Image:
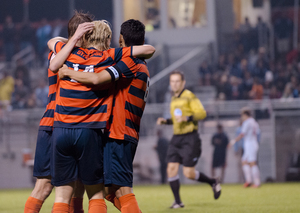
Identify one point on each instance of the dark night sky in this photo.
(53, 9)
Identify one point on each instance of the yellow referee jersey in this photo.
(186, 104)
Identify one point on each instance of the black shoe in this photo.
(176, 205)
(216, 187)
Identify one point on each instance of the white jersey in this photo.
(250, 130)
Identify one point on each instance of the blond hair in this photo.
(99, 37)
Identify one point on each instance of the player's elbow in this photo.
(202, 115)
(151, 49)
(150, 52)
(96, 80)
(53, 68)
(51, 44)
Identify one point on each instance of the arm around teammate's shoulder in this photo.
(143, 51)
(100, 78)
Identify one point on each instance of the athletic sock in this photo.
(113, 199)
(76, 205)
(203, 178)
(255, 175)
(33, 205)
(129, 204)
(60, 208)
(97, 206)
(175, 186)
(247, 173)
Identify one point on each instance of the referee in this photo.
(185, 145)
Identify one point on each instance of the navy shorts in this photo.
(77, 155)
(41, 166)
(185, 149)
(118, 158)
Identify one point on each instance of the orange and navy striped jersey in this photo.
(86, 106)
(130, 98)
(47, 120)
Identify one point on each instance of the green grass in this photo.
(197, 199)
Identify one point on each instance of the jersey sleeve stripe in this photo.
(142, 76)
(137, 60)
(133, 109)
(136, 92)
(77, 94)
(125, 69)
(64, 110)
(61, 46)
(118, 54)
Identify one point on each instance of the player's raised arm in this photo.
(62, 55)
(143, 51)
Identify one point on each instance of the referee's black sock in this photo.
(175, 185)
(203, 178)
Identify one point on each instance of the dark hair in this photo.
(78, 18)
(177, 72)
(219, 126)
(133, 32)
(246, 111)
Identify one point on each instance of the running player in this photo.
(97, 113)
(41, 171)
(185, 146)
(129, 102)
(250, 132)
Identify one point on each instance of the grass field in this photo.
(279, 198)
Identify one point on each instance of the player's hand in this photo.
(82, 29)
(63, 71)
(181, 118)
(161, 121)
(231, 143)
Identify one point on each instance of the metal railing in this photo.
(27, 55)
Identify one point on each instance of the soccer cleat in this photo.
(247, 185)
(176, 205)
(216, 187)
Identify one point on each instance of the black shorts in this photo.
(118, 158)
(77, 154)
(185, 149)
(41, 166)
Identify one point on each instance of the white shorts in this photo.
(250, 152)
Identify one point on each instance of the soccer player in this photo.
(220, 142)
(99, 117)
(130, 98)
(185, 146)
(250, 132)
(41, 171)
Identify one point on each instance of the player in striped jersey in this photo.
(41, 171)
(129, 102)
(80, 61)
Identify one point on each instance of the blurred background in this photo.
(234, 53)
